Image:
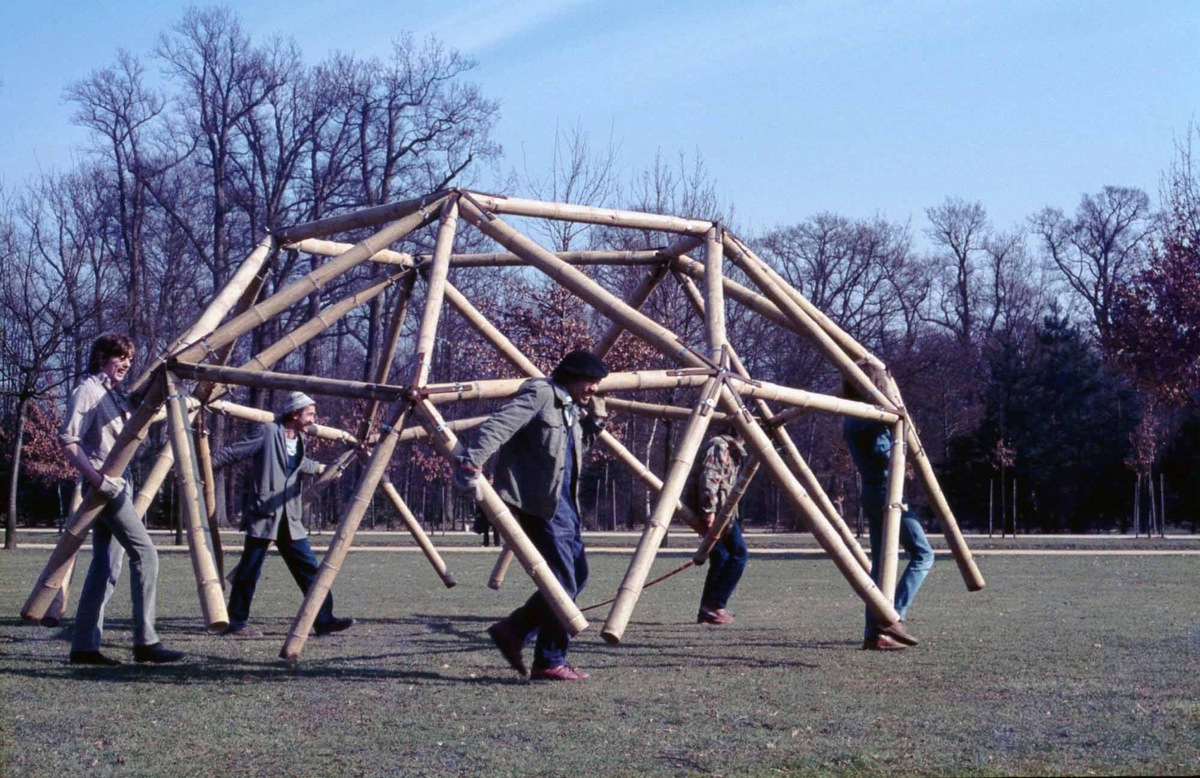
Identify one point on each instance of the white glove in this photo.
(464, 477)
(112, 487)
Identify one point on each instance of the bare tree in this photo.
(1099, 249)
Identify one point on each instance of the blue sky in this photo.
(860, 108)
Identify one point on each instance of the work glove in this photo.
(464, 476)
(112, 487)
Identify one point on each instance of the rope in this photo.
(661, 578)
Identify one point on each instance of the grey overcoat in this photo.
(268, 492)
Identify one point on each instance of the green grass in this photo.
(1063, 665)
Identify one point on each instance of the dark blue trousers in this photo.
(301, 563)
(560, 541)
(726, 562)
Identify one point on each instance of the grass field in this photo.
(1063, 665)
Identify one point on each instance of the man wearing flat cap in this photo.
(272, 510)
(539, 439)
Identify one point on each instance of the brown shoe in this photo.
(718, 617)
(882, 642)
(245, 632)
(900, 633)
(510, 646)
(559, 673)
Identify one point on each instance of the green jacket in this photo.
(529, 437)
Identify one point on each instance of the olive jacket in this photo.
(529, 437)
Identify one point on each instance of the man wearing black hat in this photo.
(540, 437)
(272, 511)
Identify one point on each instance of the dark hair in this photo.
(107, 346)
(580, 363)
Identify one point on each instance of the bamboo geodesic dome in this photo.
(402, 403)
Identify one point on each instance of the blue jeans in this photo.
(301, 563)
(560, 542)
(726, 562)
(118, 521)
(920, 558)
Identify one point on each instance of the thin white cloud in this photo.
(474, 27)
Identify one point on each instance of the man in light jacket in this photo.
(540, 437)
(272, 510)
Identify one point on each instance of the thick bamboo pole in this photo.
(660, 519)
(490, 332)
(418, 534)
(759, 444)
(889, 562)
(58, 608)
(204, 461)
(497, 259)
(501, 517)
(587, 215)
(642, 380)
(714, 297)
(765, 390)
(954, 539)
(496, 579)
(575, 281)
(290, 381)
(246, 413)
(784, 442)
(654, 410)
(339, 546)
(388, 355)
(435, 293)
(422, 207)
(775, 288)
(221, 304)
(208, 583)
(126, 445)
(154, 480)
(637, 299)
(297, 291)
(333, 471)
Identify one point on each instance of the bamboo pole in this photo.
(51, 578)
(656, 528)
(490, 332)
(572, 279)
(366, 217)
(204, 460)
(654, 410)
(765, 390)
(642, 380)
(954, 539)
(784, 441)
(435, 293)
(634, 258)
(775, 288)
(58, 608)
(637, 299)
(714, 297)
(208, 583)
(501, 517)
(759, 444)
(496, 579)
(587, 215)
(339, 545)
(889, 564)
(295, 292)
(388, 355)
(333, 471)
(154, 480)
(221, 304)
(247, 413)
(418, 534)
(289, 381)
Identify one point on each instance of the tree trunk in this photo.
(10, 520)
